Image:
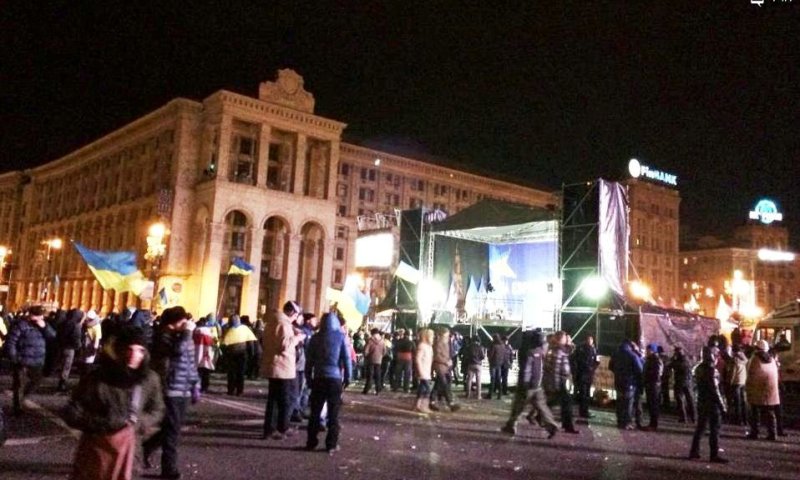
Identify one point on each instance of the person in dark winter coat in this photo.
(529, 389)
(113, 406)
(682, 383)
(173, 360)
(403, 362)
(585, 363)
(328, 371)
(710, 405)
(653, 372)
(373, 358)
(26, 347)
(69, 338)
(627, 368)
(472, 358)
(497, 357)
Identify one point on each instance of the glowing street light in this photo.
(640, 290)
(594, 287)
(51, 244)
(156, 251)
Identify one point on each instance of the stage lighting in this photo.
(640, 290)
(594, 287)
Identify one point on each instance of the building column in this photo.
(326, 272)
(264, 134)
(292, 267)
(224, 147)
(209, 284)
(300, 165)
(333, 174)
(249, 303)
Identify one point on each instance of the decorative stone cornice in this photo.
(287, 91)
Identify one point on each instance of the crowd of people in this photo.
(138, 373)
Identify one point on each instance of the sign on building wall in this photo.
(637, 170)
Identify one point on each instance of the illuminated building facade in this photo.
(654, 228)
(755, 269)
(262, 178)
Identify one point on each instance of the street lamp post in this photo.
(4, 252)
(51, 244)
(156, 250)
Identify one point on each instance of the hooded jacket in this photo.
(173, 360)
(442, 362)
(328, 353)
(762, 380)
(373, 352)
(627, 367)
(70, 334)
(737, 375)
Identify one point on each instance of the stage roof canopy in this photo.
(495, 221)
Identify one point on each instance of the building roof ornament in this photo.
(287, 91)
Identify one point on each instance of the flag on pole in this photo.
(162, 296)
(113, 270)
(346, 305)
(240, 267)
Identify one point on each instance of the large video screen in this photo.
(524, 279)
(375, 250)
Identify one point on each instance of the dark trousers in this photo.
(402, 375)
(654, 400)
(205, 378)
(496, 384)
(665, 392)
(279, 398)
(738, 412)
(254, 365)
(711, 415)
(564, 400)
(684, 402)
(67, 358)
(583, 392)
(168, 437)
(538, 401)
(237, 364)
(765, 415)
(30, 376)
(387, 370)
(325, 390)
(441, 388)
(624, 406)
(504, 378)
(423, 389)
(373, 376)
(637, 406)
(297, 394)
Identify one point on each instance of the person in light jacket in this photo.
(762, 391)
(279, 366)
(423, 363)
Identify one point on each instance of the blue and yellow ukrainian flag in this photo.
(114, 270)
(240, 267)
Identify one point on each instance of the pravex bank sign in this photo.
(637, 169)
(766, 212)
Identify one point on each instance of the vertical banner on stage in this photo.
(613, 235)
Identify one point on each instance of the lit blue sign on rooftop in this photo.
(766, 212)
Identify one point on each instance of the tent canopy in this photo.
(495, 221)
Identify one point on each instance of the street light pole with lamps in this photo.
(156, 251)
(51, 244)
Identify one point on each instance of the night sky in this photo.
(558, 92)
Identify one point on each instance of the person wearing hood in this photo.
(710, 405)
(529, 389)
(373, 358)
(737, 377)
(278, 364)
(235, 343)
(762, 391)
(328, 371)
(68, 337)
(112, 406)
(442, 364)
(627, 369)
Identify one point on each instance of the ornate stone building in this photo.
(262, 178)
(654, 227)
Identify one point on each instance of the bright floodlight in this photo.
(594, 287)
(55, 243)
(640, 290)
(157, 230)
